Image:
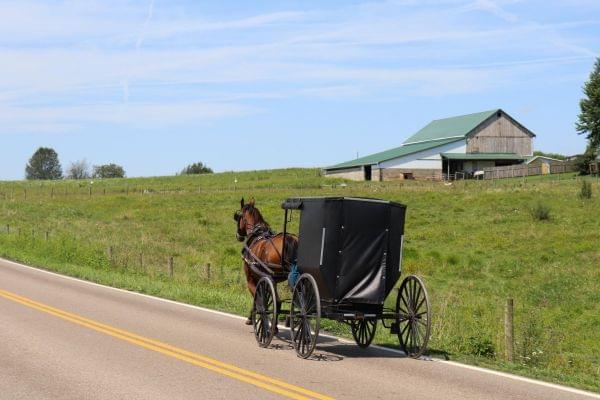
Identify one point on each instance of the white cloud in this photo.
(50, 119)
(65, 63)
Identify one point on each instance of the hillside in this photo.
(475, 243)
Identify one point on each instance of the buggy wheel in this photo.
(305, 315)
(264, 312)
(413, 316)
(363, 331)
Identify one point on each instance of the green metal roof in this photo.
(453, 127)
(482, 156)
(393, 153)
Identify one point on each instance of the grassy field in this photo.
(475, 243)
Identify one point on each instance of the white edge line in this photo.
(208, 310)
(342, 340)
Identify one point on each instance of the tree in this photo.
(196, 168)
(108, 171)
(589, 118)
(43, 164)
(78, 170)
(582, 162)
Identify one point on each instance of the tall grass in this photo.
(473, 242)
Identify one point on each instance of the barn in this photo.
(444, 147)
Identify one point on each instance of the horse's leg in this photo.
(251, 283)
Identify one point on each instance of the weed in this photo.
(540, 212)
(586, 189)
(481, 347)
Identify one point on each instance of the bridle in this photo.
(251, 230)
(240, 216)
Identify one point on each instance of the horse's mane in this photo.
(256, 215)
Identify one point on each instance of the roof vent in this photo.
(498, 113)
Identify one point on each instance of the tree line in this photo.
(45, 165)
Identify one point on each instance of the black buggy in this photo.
(349, 260)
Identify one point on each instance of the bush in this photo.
(540, 212)
(196, 169)
(586, 190)
(480, 346)
(108, 171)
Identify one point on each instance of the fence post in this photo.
(171, 267)
(52, 193)
(111, 255)
(141, 260)
(208, 272)
(25, 193)
(90, 191)
(8, 228)
(46, 236)
(509, 330)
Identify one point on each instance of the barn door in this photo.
(368, 172)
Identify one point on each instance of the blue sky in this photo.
(239, 85)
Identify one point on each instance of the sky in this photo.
(244, 85)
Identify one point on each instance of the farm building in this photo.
(545, 163)
(444, 147)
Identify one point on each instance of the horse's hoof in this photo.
(248, 322)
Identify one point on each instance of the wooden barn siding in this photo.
(500, 135)
(511, 171)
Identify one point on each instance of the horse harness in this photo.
(258, 233)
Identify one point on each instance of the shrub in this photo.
(196, 169)
(540, 212)
(480, 346)
(108, 171)
(586, 190)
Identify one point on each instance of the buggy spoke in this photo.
(414, 321)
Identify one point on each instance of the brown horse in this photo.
(262, 244)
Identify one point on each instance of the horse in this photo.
(263, 245)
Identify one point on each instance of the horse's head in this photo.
(246, 218)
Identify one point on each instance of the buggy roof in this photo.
(295, 203)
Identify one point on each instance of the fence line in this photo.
(523, 170)
(203, 272)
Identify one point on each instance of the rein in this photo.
(259, 233)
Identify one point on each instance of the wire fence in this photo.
(71, 248)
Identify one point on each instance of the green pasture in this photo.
(476, 243)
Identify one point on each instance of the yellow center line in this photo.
(265, 382)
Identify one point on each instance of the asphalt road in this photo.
(62, 338)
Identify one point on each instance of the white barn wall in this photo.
(426, 159)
